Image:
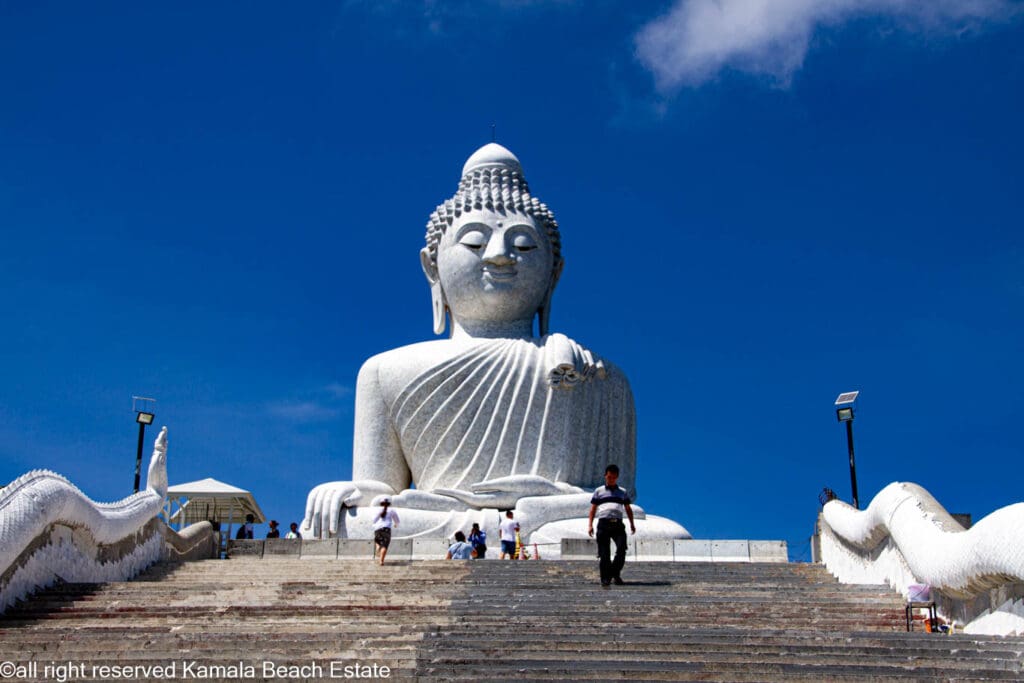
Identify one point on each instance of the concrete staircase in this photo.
(489, 620)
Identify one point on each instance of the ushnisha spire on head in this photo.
(490, 155)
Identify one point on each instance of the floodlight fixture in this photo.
(844, 413)
(144, 415)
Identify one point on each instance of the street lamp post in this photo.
(144, 415)
(844, 413)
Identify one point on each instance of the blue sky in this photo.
(222, 206)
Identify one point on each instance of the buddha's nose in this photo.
(497, 252)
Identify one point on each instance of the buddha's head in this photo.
(493, 251)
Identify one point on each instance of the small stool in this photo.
(933, 620)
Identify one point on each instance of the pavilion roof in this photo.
(209, 499)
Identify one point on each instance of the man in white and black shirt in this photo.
(609, 504)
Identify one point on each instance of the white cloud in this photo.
(442, 18)
(697, 39)
(321, 405)
(302, 411)
(338, 390)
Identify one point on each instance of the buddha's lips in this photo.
(499, 274)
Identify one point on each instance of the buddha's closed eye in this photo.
(474, 240)
(524, 243)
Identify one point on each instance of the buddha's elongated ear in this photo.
(438, 304)
(544, 312)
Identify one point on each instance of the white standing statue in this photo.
(495, 416)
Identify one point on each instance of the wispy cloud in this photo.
(697, 39)
(302, 411)
(321, 405)
(442, 18)
(338, 390)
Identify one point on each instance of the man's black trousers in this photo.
(609, 530)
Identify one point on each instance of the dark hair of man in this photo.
(508, 513)
(614, 469)
(460, 537)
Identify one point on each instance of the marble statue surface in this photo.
(33, 503)
(501, 414)
(934, 547)
(906, 537)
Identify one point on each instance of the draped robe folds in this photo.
(513, 406)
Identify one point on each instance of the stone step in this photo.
(553, 594)
(954, 655)
(671, 633)
(398, 574)
(693, 649)
(682, 617)
(366, 568)
(299, 595)
(515, 580)
(389, 650)
(516, 584)
(894, 666)
(697, 671)
(495, 598)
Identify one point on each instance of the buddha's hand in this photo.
(504, 492)
(324, 503)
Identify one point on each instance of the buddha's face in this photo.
(494, 266)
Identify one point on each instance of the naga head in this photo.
(156, 479)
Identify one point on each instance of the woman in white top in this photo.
(382, 525)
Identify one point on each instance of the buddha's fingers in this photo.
(505, 500)
(321, 515)
(522, 484)
(424, 500)
(568, 505)
(339, 496)
(312, 518)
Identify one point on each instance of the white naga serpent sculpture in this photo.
(33, 503)
(935, 548)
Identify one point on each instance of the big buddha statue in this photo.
(501, 414)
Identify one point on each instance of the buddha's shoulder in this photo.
(392, 369)
(412, 356)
